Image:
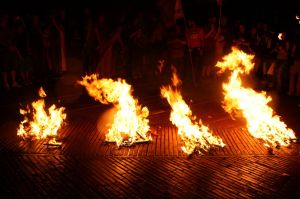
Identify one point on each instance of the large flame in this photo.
(194, 134)
(39, 123)
(130, 123)
(253, 106)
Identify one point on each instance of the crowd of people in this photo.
(35, 48)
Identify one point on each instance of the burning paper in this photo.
(195, 135)
(253, 106)
(39, 123)
(130, 124)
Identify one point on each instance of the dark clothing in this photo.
(8, 56)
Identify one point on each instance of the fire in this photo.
(253, 106)
(39, 123)
(298, 18)
(280, 36)
(130, 124)
(195, 135)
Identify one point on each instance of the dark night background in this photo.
(277, 12)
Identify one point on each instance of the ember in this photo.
(244, 102)
(195, 135)
(130, 123)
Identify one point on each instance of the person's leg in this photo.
(292, 79)
(297, 64)
(298, 85)
(4, 69)
(5, 80)
(14, 80)
(279, 76)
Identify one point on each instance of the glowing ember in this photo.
(298, 18)
(40, 124)
(241, 101)
(130, 123)
(195, 135)
(280, 36)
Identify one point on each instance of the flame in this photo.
(298, 18)
(194, 134)
(40, 124)
(240, 101)
(280, 36)
(130, 123)
(42, 92)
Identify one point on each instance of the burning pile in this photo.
(195, 135)
(130, 123)
(40, 124)
(245, 102)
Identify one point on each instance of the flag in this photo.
(219, 2)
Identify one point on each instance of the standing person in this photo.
(90, 44)
(22, 42)
(157, 44)
(269, 55)
(281, 64)
(176, 51)
(36, 48)
(195, 40)
(241, 39)
(8, 55)
(209, 53)
(220, 44)
(49, 52)
(138, 43)
(58, 24)
(294, 73)
(253, 45)
(106, 66)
